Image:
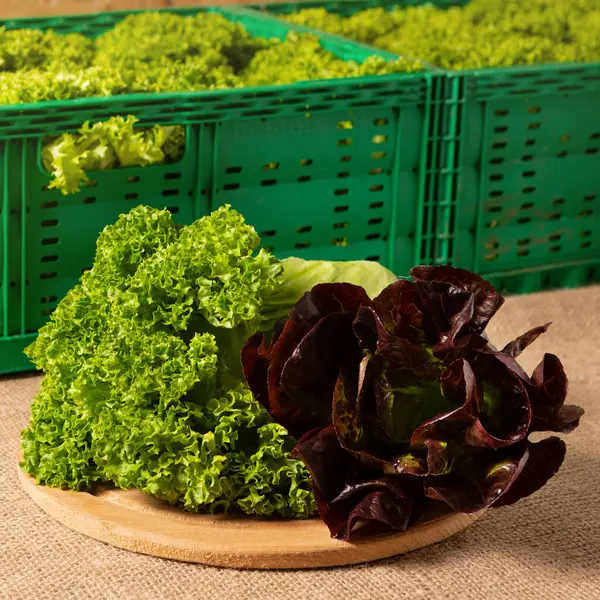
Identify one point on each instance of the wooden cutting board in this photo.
(133, 521)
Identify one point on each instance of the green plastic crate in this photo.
(517, 191)
(326, 169)
(519, 187)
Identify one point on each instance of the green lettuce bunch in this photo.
(153, 52)
(143, 384)
(150, 37)
(39, 85)
(107, 145)
(26, 49)
(309, 60)
(137, 389)
(482, 33)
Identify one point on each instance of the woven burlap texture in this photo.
(545, 547)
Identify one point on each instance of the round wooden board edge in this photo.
(79, 511)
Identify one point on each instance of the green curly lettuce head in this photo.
(143, 384)
(142, 387)
(155, 38)
(317, 18)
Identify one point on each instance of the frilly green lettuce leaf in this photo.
(37, 85)
(56, 445)
(154, 36)
(63, 157)
(212, 273)
(307, 59)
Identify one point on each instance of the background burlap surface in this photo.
(545, 547)
(11, 9)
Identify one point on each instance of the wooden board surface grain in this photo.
(133, 521)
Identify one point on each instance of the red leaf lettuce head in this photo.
(401, 401)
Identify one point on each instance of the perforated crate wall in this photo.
(519, 194)
(341, 185)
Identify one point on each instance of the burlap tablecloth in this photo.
(11, 9)
(545, 547)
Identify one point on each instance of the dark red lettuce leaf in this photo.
(454, 303)
(328, 298)
(443, 435)
(459, 387)
(509, 362)
(331, 470)
(437, 443)
(413, 462)
(405, 399)
(370, 329)
(305, 358)
(255, 358)
(295, 417)
(481, 479)
(346, 411)
(404, 378)
(310, 373)
(545, 458)
(355, 422)
(446, 307)
(548, 393)
(262, 365)
(346, 491)
(443, 455)
(517, 346)
(387, 502)
(327, 462)
(504, 410)
(398, 308)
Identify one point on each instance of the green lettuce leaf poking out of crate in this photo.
(143, 382)
(483, 33)
(108, 145)
(164, 52)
